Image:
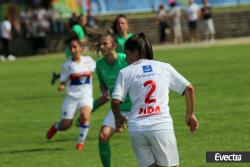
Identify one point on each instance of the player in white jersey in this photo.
(148, 83)
(77, 78)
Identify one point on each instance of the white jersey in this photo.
(80, 86)
(148, 83)
(192, 12)
(5, 29)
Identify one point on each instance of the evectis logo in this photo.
(149, 111)
(226, 157)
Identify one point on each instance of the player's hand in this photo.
(106, 96)
(61, 88)
(120, 124)
(192, 122)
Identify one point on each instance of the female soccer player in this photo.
(148, 83)
(120, 29)
(77, 77)
(107, 69)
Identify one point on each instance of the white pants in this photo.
(209, 27)
(71, 105)
(177, 30)
(155, 147)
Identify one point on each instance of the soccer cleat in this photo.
(80, 146)
(51, 132)
(55, 77)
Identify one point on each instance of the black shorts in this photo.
(192, 25)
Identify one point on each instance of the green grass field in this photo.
(29, 105)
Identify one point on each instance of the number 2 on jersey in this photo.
(150, 92)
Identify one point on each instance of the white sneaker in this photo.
(2, 58)
(11, 58)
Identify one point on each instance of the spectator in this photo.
(6, 37)
(25, 16)
(54, 17)
(91, 20)
(176, 16)
(162, 23)
(71, 22)
(206, 12)
(193, 13)
(41, 13)
(38, 31)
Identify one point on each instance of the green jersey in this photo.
(107, 75)
(121, 42)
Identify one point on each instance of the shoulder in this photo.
(121, 56)
(76, 27)
(66, 64)
(130, 35)
(160, 64)
(126, 70)
(100, 60)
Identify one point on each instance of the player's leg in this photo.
(142, 149)
(105, 135)
(67, 113)
(106, 132)
(164, 147)
(85, 114)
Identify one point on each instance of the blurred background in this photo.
(230, 19)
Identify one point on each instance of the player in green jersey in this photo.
(107, 70)
(120, 29)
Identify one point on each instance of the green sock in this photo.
(105, 153)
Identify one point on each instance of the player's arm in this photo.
(119, 119)
(190, 119)
(103, 99)
(118, 96)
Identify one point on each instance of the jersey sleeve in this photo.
(177, 82)
(121, 88)
(65, 72)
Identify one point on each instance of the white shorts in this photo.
(155, 147)
(71, 105)
(109, 120)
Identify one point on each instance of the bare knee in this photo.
(65, 124)
(104, 137)
(106, 133)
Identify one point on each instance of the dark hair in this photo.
(140, 43)
(114, 26)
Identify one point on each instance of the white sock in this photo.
(83, 132)
(57, 126)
